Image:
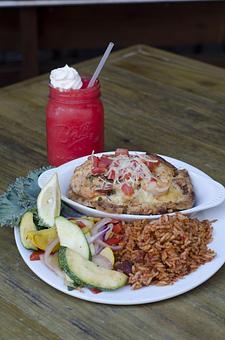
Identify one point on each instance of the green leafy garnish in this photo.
(20, 197)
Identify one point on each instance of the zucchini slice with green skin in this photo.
(27, 225)
(72, 237)
(86, 273)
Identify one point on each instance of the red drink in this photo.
(74, 123)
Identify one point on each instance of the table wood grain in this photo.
(154, 101)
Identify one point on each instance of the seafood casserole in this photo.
(131, 184)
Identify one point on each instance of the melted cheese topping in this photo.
(130, 169)
(135, 171)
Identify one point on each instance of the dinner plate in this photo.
(209, 193)
(127, 296)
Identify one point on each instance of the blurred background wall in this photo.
(36, 39)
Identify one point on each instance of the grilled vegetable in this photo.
(27, 225)
(71, 236)
(86, 273)
(42, 238)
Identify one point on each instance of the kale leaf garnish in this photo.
(20, 197)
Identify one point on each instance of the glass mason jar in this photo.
(74, 123)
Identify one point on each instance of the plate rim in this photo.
(98, 213)
(96, 298)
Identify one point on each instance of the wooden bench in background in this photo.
(28, 27)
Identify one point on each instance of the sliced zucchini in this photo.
(71, 236)
(27, 225)
(71, 285)
(86, 273)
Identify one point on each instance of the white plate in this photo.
(209, 193)
(127, 296)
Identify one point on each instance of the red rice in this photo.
(162, 251)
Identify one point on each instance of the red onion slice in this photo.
(89, 224)
(100, 224)
(50, 247)
(96, 236)
(51, 261)
(104, 244)
(108, 232)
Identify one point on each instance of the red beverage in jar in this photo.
(74, 123)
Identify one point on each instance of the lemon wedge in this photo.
(108, 253)
(49, 202)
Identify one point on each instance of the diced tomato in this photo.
(117, 228)
(98, 171)
(121, 152)
(153, 180)
(35, 256)
(95, 161)
(152, 165)
(127, 175)
(95, 290)
(114, 221)
(112, 175)
(104, 162)
(127, 189)
(80, 224)
(113, 240)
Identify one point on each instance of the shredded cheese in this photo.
(136, 172)
(129, 168)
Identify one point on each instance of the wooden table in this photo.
(154, 101)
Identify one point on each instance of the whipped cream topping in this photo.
(65, 78)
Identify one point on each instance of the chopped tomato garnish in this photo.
(98, 171)
(95, 161)
(75, 221)
(35, 256)
(117, 228)
(121, 152)
(127, 189)
(152, 165)
(111, 175)
(104, 162)
(80, 224)
(112, 240)
(114, 221)
(127, 175)
(95, 290)
(153, 180)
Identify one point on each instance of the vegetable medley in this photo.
(79, 250)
